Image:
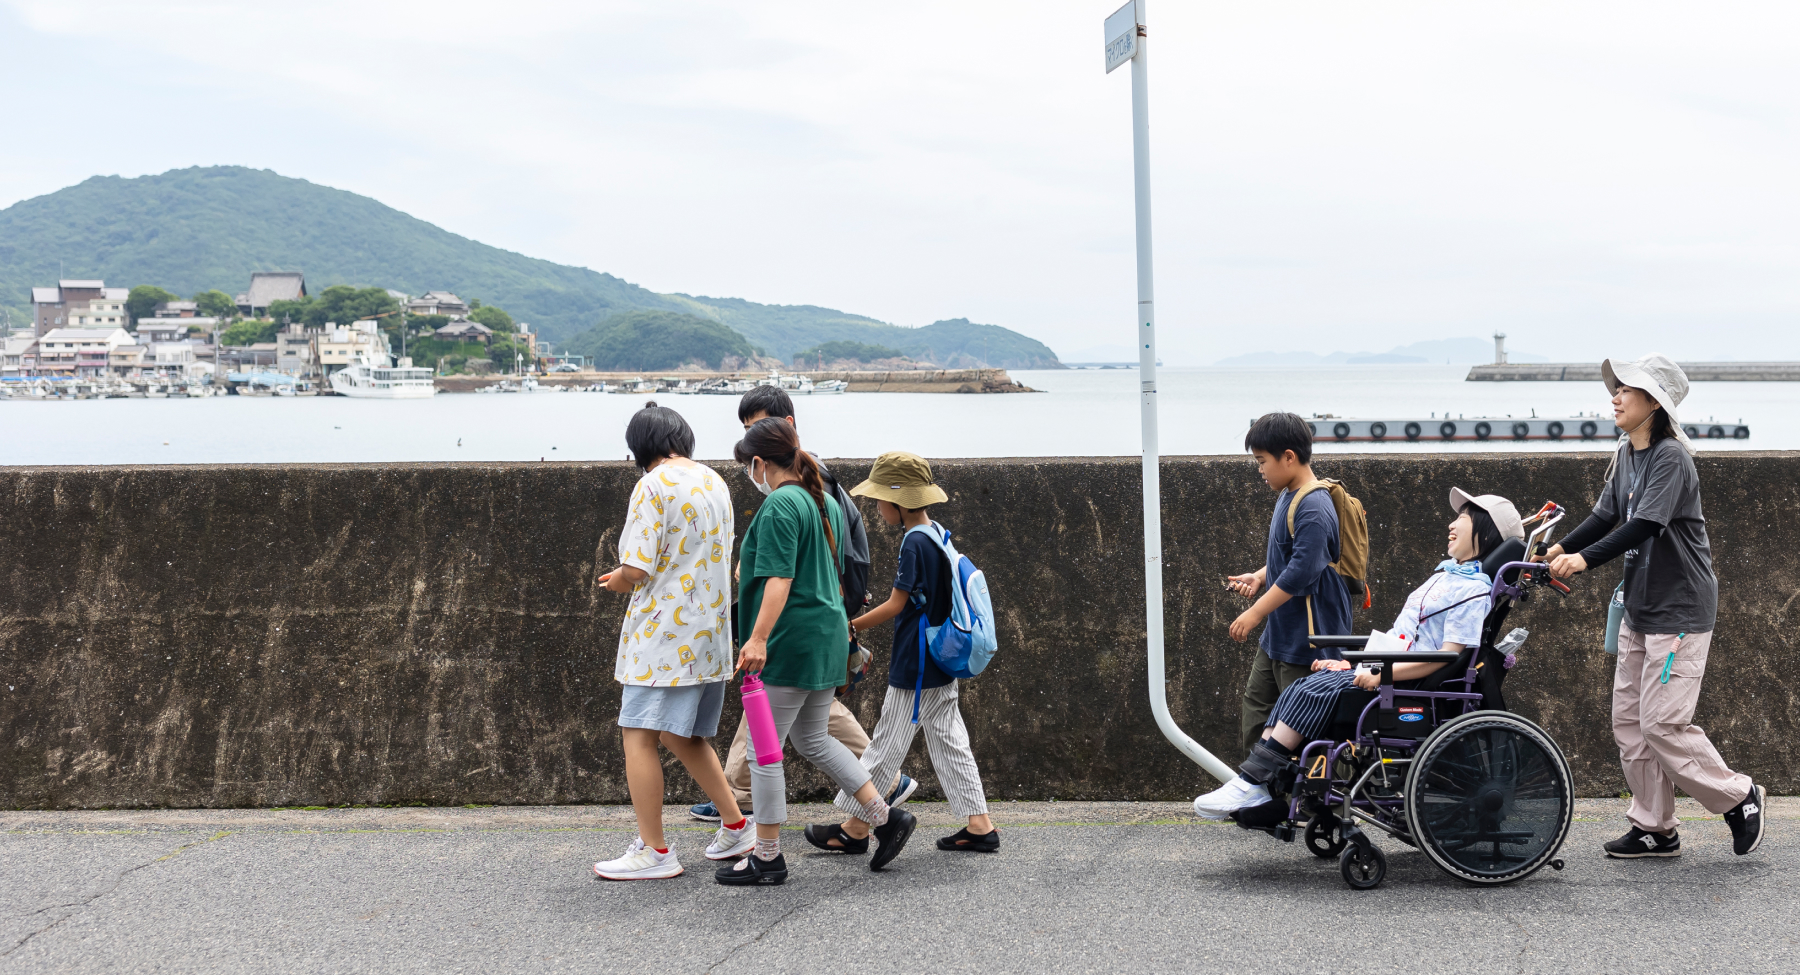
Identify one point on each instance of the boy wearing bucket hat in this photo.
(1649, 512)
(903, 489)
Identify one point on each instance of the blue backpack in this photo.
(963, 644)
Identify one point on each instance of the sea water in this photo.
(1079, 413)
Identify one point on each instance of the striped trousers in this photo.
(1307, 704)
(946, 739)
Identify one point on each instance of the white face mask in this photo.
(751, 472)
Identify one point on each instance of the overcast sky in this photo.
(1593, 178)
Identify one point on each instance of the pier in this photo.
(1343, 429)
(1589, 372)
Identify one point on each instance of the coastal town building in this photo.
(465, 331)
(175, 359)
(339, 345)
(177, 309)
(268, 287)
(438, 303)
(126, 360)
(18, 356)
(77, 303)
(80, 351)
(161, 329)
(294, 350)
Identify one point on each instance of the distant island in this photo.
(1458, 351)
(191, 231)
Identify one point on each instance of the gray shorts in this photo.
(690, 712)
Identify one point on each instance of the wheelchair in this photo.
(1439, 763)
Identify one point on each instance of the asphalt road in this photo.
(1077, 887)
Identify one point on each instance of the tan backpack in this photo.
(1353, 535)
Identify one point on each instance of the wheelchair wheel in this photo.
(1363, 867)
(1489, 797)
(1325, 836)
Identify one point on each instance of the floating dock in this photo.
(1327, 428)
(1589, 372)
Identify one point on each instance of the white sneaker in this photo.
(639, 862)
(1239, 793)
(729, 844)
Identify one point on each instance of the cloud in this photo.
(1586, 176)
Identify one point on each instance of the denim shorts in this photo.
(690, 712)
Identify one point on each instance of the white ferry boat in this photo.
(367, 378)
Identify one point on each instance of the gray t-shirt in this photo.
(1669, 581)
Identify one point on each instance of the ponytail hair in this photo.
(775, 441)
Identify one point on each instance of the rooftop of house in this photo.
(176, 309)
(438, 298)
(86, 335)
(80, 283)
(457, 328)
(272, 286)
(46, 296)
(168, 323)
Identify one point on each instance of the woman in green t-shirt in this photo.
(792, 630)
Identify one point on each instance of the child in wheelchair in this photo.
(1445, 613)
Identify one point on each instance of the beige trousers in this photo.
(1659, 745)
(843, 726)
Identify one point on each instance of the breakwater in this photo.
(1700, 372)
(861, 381)
(429, 633)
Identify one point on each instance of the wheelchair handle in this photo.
(1402, 656)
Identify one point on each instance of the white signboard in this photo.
(1121, 36)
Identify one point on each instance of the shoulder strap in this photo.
(929, 531)
(1294, 505)
(1446, 609)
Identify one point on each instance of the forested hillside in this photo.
(193, 230)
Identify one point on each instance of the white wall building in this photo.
(80, 351)
(152, 330)
(339, 345)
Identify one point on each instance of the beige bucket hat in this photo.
(1506, 517)
(903, 479)
(1657, 375)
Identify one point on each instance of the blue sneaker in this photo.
(903, 790)
(706, 812)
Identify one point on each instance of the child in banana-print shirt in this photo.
(678, 626)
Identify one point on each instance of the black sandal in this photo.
(968, 842)
(755, 872)
(821, 835)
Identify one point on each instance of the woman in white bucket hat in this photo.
(1649, 512)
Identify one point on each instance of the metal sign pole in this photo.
(1126, 40)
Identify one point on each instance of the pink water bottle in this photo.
(761, 721)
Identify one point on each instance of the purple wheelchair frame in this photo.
(1387, 814)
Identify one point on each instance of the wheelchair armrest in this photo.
(1322, 640)
(1402, 656)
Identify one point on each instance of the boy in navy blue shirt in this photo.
(902, 487)
(1299, 563)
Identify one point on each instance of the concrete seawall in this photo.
(429, 633)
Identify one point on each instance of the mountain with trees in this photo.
(205, 229)
(653, 340)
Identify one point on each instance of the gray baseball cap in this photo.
(1506, 517)
(1657, 375)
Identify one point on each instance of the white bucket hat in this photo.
(1657, 375)
(1505, 515)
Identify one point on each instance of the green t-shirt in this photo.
(810, 644)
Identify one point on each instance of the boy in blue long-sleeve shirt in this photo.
(1307, 595)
